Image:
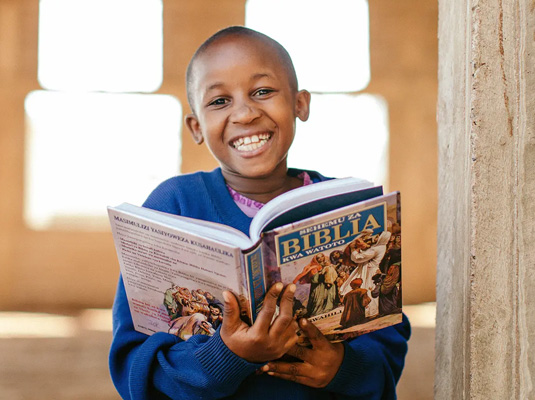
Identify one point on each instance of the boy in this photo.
(243, 92)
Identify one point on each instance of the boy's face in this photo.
(245, 107)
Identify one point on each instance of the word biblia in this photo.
(323, 237)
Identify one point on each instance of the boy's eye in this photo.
(263, 92)
(218, 102)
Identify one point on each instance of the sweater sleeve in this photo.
(372, 364)
(163, 366)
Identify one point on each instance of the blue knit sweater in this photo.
(162, 366)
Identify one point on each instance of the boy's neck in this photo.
(263, 189)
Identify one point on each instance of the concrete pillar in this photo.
(485, 337)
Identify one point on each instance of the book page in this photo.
(174, 280)
(346, 265)
(307, 201)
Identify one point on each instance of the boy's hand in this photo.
(320, 363)
(264, 341)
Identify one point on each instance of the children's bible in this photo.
(339, 241)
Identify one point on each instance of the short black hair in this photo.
(284, 57)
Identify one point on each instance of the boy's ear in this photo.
(194, 127)
(302, 105)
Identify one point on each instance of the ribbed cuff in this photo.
(352, 369)
(229, 368)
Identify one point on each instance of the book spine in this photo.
(255, 277)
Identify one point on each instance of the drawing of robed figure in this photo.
(355, 303)
(367, 259)
(323, 295)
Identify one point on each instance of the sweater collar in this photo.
(225, 206)
(228, 210)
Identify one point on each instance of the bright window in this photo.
(93, 138)
(100, 45)
(346, 135)
(87, 151)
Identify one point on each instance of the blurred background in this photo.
(92, 96)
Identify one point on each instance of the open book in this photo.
(339, 241)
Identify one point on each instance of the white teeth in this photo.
(251, 143)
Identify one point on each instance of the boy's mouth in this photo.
(250, 143)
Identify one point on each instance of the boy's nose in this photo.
(245, 113)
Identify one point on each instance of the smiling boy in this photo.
(244, 97)
(245, 102)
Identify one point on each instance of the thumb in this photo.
(231, 314)
(317, 339)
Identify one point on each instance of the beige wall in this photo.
(79, 269)
(404, 70)
(485, 294)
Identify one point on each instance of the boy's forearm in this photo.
(202, 367)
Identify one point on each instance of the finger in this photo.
(317, 339)
(301, 352)
(287, 300)
(231, 313)
(295, 372)
(286, 368)
(289, 337)
(265, 316)
(285, 317)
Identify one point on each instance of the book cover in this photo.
(343, 252)
(346, 265)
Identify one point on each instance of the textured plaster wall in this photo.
(486, 247)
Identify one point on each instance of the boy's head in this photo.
(242, 90)
(239, 31)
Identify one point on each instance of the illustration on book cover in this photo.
(347, 270)
(192, 312)
(195, 312)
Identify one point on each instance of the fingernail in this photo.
(303, 322)
(226, 296)
(265, 368)
(278, 286)
(291, 288)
